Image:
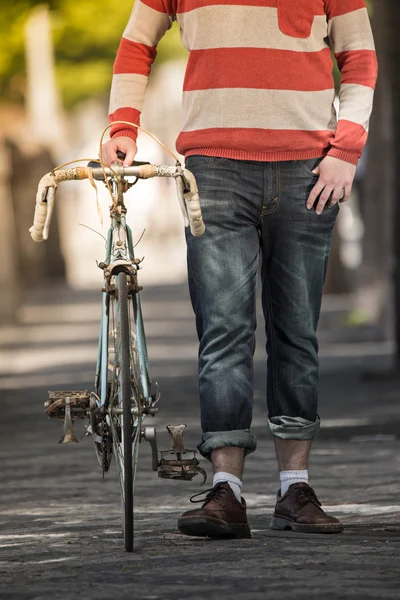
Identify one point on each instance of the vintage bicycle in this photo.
(123, 394)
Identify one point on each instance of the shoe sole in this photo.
(213, 528)
(281, 524)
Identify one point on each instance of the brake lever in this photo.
(136, 163)
(181, 190)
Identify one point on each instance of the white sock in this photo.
(234, 482)
(289, 477)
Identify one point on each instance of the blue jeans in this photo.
(254, 209)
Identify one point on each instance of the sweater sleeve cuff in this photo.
(130, 132)
(349, 157)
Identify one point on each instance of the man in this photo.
(272, 163)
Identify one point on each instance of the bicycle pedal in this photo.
(68, 405)
(79, 403)
(179, 462)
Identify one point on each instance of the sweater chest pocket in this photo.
(296, 17)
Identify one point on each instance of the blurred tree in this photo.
(86, 38)
(382, 207)
(376, 200)
(391, 137)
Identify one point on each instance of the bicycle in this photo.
(123, 394)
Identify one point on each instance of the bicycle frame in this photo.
(120, 255)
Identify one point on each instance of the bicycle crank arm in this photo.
(150, 435)
(69, 432)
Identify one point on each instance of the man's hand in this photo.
(334, 184)
(123, 144)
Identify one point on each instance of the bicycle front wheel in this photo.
(126, 395)
(122, 425)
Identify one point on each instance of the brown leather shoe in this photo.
(300, 510)
(220, 516)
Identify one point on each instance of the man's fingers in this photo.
(129, 158)
(323, 199)
(123, 144)
(334, 184)
(347, 193)
(114, 156)
(110, 154)
(336, 196)
(105, 155)
(315, 192)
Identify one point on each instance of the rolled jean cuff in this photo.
(213, 440)
(293, 428)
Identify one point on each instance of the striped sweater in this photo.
(258, 84)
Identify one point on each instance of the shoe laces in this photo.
(308, 495)
(214, 493)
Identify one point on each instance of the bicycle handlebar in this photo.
(186, 187)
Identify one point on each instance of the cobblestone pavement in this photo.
(60, 522)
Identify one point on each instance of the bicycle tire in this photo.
(125, 400)
(124, 371)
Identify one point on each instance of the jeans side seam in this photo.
(271, 334)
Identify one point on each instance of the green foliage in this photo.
(86, 36)
(12, 20)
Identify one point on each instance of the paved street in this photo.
(60, 522)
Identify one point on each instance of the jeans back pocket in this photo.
(296, 17)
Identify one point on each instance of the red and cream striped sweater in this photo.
(258, 83)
